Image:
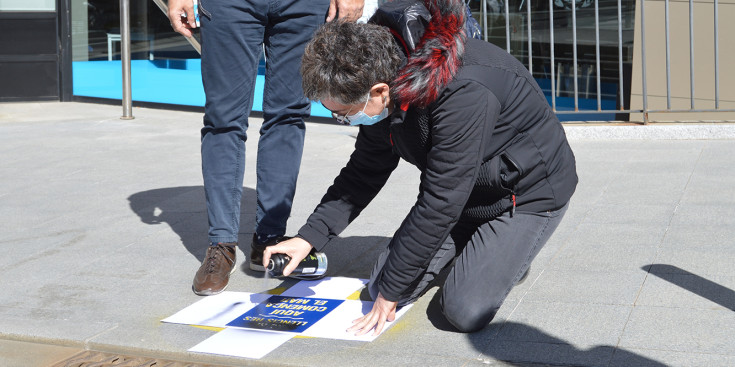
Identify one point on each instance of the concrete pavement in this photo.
(103, 224)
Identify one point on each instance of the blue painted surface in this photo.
(179, 82)
(160, 81)
(567, 104)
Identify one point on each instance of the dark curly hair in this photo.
(345, 59)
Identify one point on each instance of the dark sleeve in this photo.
(358, 182)
(461, 118)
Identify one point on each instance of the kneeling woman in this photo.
(497, 171)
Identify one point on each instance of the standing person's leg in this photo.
(493, 261)
(232, 33)
(291, 24)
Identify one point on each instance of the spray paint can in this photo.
(313, 266)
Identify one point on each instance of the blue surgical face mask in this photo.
(361, 118)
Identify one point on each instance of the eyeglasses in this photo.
(345, 119)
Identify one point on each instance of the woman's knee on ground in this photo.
(468, 318)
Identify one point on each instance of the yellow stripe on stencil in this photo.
(212, 328)
(276, 291)
(355, 296)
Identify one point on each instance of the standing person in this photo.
(233, 33)
(497, 172)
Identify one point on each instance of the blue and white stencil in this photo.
(286, 314)
(322, 308)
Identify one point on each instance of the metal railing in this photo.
(692, 71)
(528, 56)
(556, 65)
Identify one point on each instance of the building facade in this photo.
(585, 54)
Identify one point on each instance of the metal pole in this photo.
(553, 65)
(528, 28)
(484, 19)
(691, 51)
(668, 58)
(643, 61)
(717, 62)
(127, 97)
(620, 56)
(574, 54)
(597, 54)
(507, 28)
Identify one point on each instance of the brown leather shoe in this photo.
(214, 274)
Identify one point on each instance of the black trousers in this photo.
(490, 258)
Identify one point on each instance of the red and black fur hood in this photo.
(432, 36)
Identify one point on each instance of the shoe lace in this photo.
(215, 257)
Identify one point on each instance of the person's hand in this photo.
(350, 10)
(383, 310)
(181, 15)
(296, 248)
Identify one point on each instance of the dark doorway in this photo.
(31, 54)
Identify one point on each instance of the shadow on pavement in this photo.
(354, 256)
(694, 283)
(184, 210)
(523, 345)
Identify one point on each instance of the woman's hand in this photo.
(383, 310)
(296, 248)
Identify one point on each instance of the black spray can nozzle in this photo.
(313, 265)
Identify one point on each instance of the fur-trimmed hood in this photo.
(432, 35)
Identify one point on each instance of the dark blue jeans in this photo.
(233, 34)
(489, 259)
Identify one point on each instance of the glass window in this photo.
(27, 5)
(165, 67)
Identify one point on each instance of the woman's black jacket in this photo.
(490, 137)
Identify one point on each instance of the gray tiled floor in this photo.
(102, 225)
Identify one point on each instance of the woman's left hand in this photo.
(383, 310)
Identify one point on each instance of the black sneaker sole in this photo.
(307, 277)
(256, 267)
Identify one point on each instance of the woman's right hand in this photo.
(296, 248)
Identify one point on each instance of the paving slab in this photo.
(683, 289)
(577, 324)
(601, 246)
(657, 358)
(587, 287)
(680, 329)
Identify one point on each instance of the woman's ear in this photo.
(380, 89)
